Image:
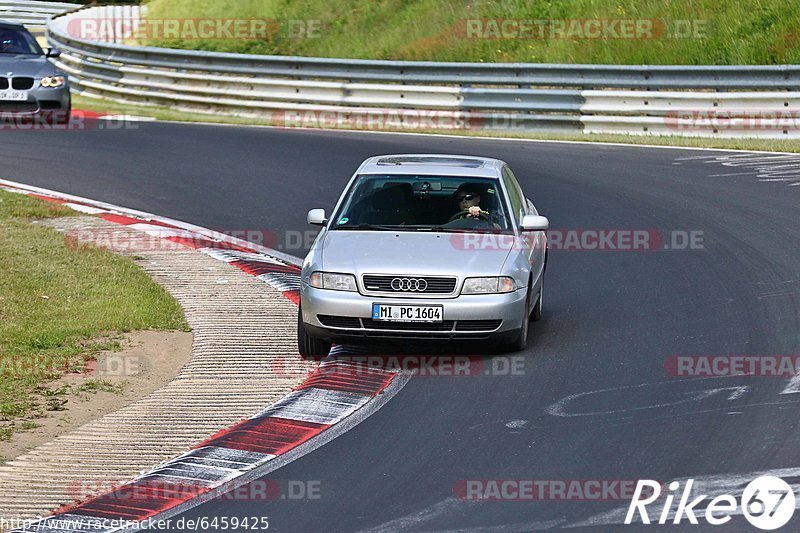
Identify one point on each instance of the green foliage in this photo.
(725, 32)
(60, 304)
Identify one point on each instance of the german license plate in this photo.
(16, 96)
(407, 313)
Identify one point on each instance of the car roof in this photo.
(441, 164)
(11, 25)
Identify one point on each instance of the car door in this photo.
(532, 242)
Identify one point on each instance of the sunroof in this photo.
(443, 161)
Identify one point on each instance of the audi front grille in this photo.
(370, 324)
(409, 284)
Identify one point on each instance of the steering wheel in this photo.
(465, 212)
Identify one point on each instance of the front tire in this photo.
(536, 314)
(307, 345)
(521, 342)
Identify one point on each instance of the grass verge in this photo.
(681, 32)
(171, 114)
(60, 306)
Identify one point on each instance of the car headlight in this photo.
(53, 82)
(491, 285)
(333, 281)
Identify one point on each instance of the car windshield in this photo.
(423, 203)
(14, 41)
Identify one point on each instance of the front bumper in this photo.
(347, 316)
(41, 101)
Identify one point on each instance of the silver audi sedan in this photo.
(424, 247)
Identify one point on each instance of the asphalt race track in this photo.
(594, 400)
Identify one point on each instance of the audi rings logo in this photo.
(409, 284)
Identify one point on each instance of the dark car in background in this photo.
(31, 87)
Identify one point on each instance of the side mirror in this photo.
(53, 52)
(316, 217)
(534, 223)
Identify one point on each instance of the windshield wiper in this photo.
(441, 229)
(430, 228)
(369, 227)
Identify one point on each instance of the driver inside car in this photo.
(468, 198)
(10, 43)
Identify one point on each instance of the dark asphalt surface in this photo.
(612, 318)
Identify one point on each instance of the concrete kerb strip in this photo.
(226, 308)
(236, 369)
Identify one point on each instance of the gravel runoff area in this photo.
(243, 358)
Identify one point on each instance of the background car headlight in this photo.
(53, 82)
(491, 285)
(330, 280)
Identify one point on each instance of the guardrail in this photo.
(33, 14)
(716, 101)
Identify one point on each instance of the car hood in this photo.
(25, 65)
(412, 253)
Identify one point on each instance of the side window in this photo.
(518, 207)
